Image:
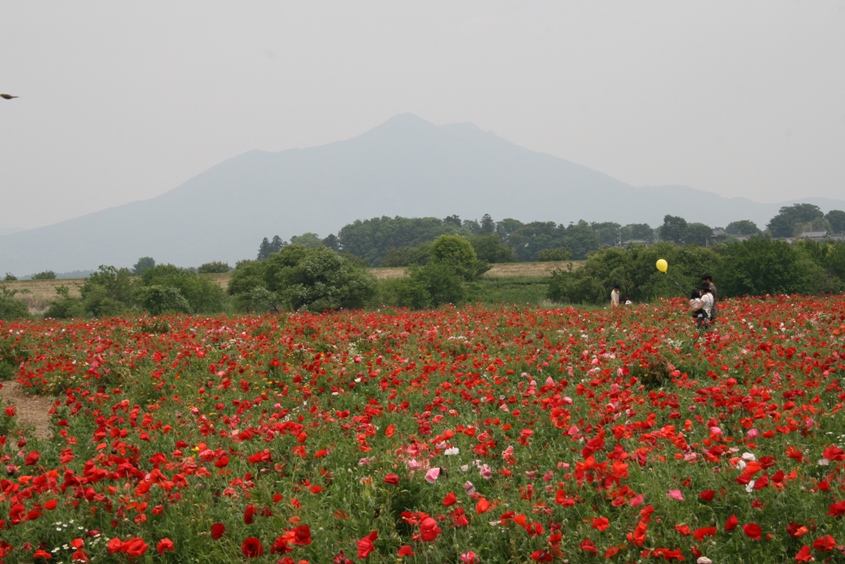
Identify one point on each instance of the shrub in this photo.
(65, 306)
(201, 294)
(297, 277)
(158, 299)
(11, 307)
(46, 275)
(215, 267)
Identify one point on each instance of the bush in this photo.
(202, 294)
(761, 266)
(65, 306)
(432, 285)
(108, 292)
(164, 299)
(215, 267)
(11, 307)
(633, 269)
(46, 275)
(297, 277)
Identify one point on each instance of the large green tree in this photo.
(673, 230)
(743, 227)
(836, 220)
(299, 277)
(791, 220)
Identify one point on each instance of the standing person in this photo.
(614, 297)
(706, 279)
(695, 306)
(707, 304)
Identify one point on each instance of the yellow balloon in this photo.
(662, 265)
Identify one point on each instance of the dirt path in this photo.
(31, 410)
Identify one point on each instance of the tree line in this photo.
(402, 241)
(446, 258)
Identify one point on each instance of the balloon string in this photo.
(672, 278)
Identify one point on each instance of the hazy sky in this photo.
(124, 101)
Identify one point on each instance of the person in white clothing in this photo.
(614, 297)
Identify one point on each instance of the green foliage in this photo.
(406, 256)
(742, 227)
(109, 291)
(636, 232)
(310, 240)
(457, 253)
(762, 266)
(157, 299)
(791, 220)
(581, 239)
(554, 255)
(510, 290)
(203, 295)
(698, 234)
(143, 264)
(373, 238)
(836, 220)
(11, 355)
(431, 285)
(267, 248)
(10, 277)
(446, 278)
(215, 267)
(46, 275)
(673, 230)
(633, 269)
(531, 238)
(489, 248)
(64, 306)
(608, 233)
(11, 307)
(299, 277)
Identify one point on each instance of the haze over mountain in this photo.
(406, 166)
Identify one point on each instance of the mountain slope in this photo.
(406, 166)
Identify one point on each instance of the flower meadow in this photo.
(472, 435)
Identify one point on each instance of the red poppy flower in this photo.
(601, 523)
(366, 545)
(217, 530)
(804, 555)
(165, 545)
(429, 529)
(391, 479)
(824, 543)
(449, 499)
(731, 523)
(249, 514)
(405, 550)
(252, 548)
(752, 531)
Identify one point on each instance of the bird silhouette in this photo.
(7, 96)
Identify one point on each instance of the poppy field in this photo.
(472, 435)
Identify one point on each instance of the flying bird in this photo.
(7, 96)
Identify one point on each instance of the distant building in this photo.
(643, 242)
(813, 236)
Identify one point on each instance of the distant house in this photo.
(813, 236)
(643, 242)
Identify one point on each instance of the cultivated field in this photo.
(474, 435)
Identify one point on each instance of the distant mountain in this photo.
(406, 166)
